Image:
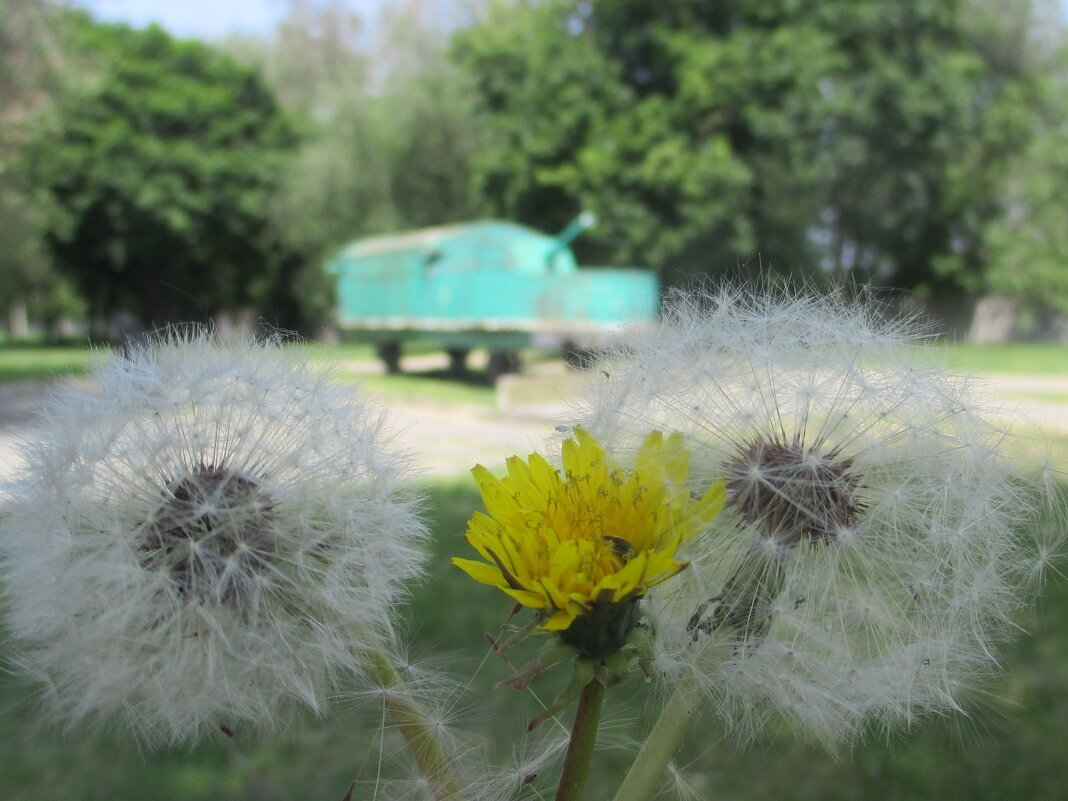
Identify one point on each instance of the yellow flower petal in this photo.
(594, 534)
(480, 571)
(560, 621)
(532, 599)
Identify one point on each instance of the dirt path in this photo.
(448, 439)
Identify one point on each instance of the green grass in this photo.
(433, 386)
(436, 386)
(320, 352)
(1010, 746)
(18, 363)
(1038, 396)
(1018, 358)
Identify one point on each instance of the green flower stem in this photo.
(414, 728)
(583, 739)
(641, 781)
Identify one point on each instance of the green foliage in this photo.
(914, 143)
(162, 167)
(1010, 747)
(867, 137)
(26, 273)
(542, 92)
(386, 162)
(388, 134)
(1027, 241)
(31, 66)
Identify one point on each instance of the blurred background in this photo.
(195, 160)
(275, 163)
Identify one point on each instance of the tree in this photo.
(830, 133)
(1027, 242)
(162, 167)
(32, 71)
(388, 130)
(933, 101)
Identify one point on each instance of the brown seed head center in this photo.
(791, 492)
(212, 532)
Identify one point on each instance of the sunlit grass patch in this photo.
(1013, 358)
(19, 363)
(1038, 396)
(359, 364)
(425, 388)
(337, 352)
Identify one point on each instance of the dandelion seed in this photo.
(208, 535)
(876, 540)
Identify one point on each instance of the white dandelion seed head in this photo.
(205, 536)
(876, 541)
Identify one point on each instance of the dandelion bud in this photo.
(876, 539)
(205, 536)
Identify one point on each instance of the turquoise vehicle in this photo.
(486, 284)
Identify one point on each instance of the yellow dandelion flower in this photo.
(582, 545)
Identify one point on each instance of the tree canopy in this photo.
(1026, 243)
(857, 135)
(162, 167)
(31, 65)
(915, 144)
(386, 124)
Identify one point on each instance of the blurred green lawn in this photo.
(38, 362)
(1016, 358)
(1010, 746)
(21, 363)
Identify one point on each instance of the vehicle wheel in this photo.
(458, 360)
(501, 362)
(577, 356)
(390, 354)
